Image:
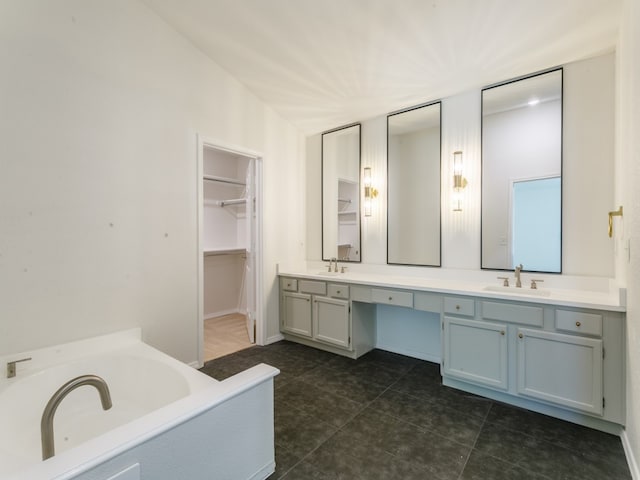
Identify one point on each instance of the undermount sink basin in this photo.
(329, 274)
(536, 292)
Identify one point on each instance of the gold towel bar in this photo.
(617, 213)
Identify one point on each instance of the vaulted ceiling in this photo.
(326, 63)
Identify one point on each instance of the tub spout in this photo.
(46, 423)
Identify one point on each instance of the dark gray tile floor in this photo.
(386, 416)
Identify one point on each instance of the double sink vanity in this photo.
(552, 341)
(558, 351)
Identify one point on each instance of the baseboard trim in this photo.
(274, 339)
(631, 459)
(208, 316)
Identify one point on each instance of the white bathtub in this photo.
(161, 425)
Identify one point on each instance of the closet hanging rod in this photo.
(229, 251)
(235, 201)
(214, 178)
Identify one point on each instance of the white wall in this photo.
(101, 103)
(588, 182)
(627, 229)
(224, 285)
(588, 166)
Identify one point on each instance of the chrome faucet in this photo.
(517, 274)
(333, 260)
(11, 367)
(46, 423)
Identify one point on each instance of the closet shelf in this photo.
(348, 212)
(215, 178)
(345, 200)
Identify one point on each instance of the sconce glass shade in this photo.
(456, 200)
(459, 182)
(367, 177)
(369, 191)
(367, 207)
(457, 163)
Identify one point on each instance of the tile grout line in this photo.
(325, 440)
(484, 422)
(475, 442)
(365, 405)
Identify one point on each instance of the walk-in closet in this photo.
(228, 234)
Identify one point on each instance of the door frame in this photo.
(202, 143)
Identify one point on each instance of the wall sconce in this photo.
(459, 182)
(369, 192)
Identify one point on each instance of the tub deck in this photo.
(168, 419)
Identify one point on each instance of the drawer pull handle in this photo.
(390, 298)
(457, 307)
(520, 335)
(578, 324)
(501, 332)
(338, 292)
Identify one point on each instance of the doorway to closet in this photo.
(229, 260)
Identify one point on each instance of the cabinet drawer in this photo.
(360, 294)
(392, 297)
(289, 284)
(459, 306)
(338, 291)
(508, 312)
(428, 302)
(579, 322)
(311, 286)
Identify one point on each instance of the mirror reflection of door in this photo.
(536, 221)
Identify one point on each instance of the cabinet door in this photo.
(331, 321)
(476, 351)
(562, 369)
(296, 313)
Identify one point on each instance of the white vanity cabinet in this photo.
(561, 369)
(537, 355)
(318, 314)
(561, 359)
(475, 351)
(296, 313)
(331, 321)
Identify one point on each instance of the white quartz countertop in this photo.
(611, 299)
